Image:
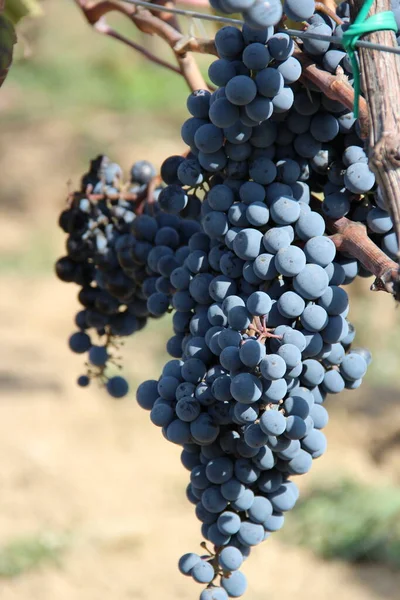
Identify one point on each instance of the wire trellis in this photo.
(337, 41)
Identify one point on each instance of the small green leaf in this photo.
(7, 41)
(15, 10)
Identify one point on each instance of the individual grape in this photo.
(273, 422)
(334, 300)
(245, 414)
(246, 388)
(228, 523)
(190, 173)
(241, 90)
(79, 342)
(83, 381)
(263, 14)
(212, 161)
(273, 367)
(324, 127)
(297, 406)
(257, 214)
(117, 387)
(178, 432)
(336, 205)
(284, 498)
(336, 354)
(358, 178)
(306, 145)
(314, 318)
(332, 59)
(259, 304)
(300, 464)
(245, 500)
(319, 416)
(229, 42)
(275, 239)
(336, 330)
(202, 572)
(379, 221)
(274, 522)
(252, 353)
(214, 593)
(220, 72)
(260, 35)
(314, 443)
(256, 56)
(290, 354)
(237, 134)
(264, 135)
(290, 261)
(262, 170)
(232, 490)
(280, 46)
(204, 430)
(275, 390)
(250, 534)
(307, 104)
(173, 199)
(317, 47)
(313, 373)
(354, 154)
(288, 170)
(290, 69)
(283, 101)
(187, 562)
(212, 500)
(291, 305)
(285, 211)
(309, 225)
(98, 355)
(208, 138)
(299, 11)
(219, 470)
(333, 382)
(230, 558)
(235, 584)
(269, 82)
(158, 304)
(260, 510)
(198, 104)
(353, 367)
(390, 245)
(223, 113)
(247, 244)
(312, 282)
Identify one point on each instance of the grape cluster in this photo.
(261, 328)
(121, 250)
(236, 246)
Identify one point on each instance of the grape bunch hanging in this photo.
(234, 242)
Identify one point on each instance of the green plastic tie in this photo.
(384, 21)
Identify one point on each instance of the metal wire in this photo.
(291, 32)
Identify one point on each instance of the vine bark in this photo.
(380, 73)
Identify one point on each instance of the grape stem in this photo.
(380, 75)
(335, 87)
(260, 328)
(163, 25)
(352, 238)
(328, 7)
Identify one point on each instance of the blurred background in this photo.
(92, 497)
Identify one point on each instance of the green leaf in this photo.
(15, 10)
(7, 41)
